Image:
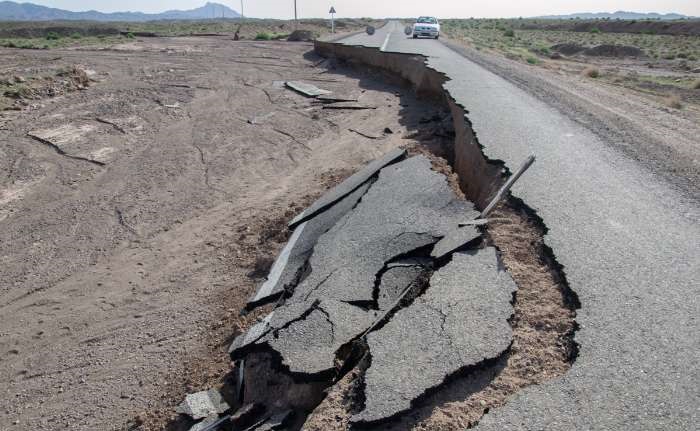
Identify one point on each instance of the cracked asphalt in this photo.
(628, 242)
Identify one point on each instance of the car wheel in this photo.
(437, 37)
(415, 36)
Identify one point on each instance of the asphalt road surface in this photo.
(629, 244)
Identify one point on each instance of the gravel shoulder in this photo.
(662, 139)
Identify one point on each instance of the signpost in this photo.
(332, 12)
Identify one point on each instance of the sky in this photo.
(284, 9)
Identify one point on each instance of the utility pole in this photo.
(296, 22)
(242, 15)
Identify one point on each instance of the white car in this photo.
(426, 26)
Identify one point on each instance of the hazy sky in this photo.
(384, 8)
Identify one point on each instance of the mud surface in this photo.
(121, 282)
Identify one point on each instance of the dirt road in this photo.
(136, 220)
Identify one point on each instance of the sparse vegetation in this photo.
(591, 72)
(263, 36)
(673, 101)
(509, 33)
(594, 30)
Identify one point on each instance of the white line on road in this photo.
(386, 41)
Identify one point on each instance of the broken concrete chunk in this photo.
(203, 404)
(348, 186)
(288, 267)
(455, 239)
(307, 90)
(460, 321)
(408, 207)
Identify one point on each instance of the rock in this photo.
(203, 404)
(555, 56)
(388, 131)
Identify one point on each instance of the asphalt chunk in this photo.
(286, 270)
(395, 280)
(456, 239)
(460, 321)
(348, 186)
(407, 208)
(307, 335)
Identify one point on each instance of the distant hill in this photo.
(618, 15)
(11, 11)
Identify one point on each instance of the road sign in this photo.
(332, 12)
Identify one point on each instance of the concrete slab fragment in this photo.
(307, 90)
(203, 404)
(348, 186)
(461, 320)
(286, 269)
(409, 206)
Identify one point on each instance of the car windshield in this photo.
(426, 20)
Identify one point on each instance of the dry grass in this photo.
(673, 101)
(696, 84)
(591, 72)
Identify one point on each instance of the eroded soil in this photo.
(121, 282)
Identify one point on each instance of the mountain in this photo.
(11, 11)
(617, 15)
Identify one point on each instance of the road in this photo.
(627, 240)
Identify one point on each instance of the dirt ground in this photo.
(142, 214)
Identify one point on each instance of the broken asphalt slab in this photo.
(408, 207)
(460, 321)
(203, 404)
(306, 336)
(348, 186)
(287, 269)
(307, 90)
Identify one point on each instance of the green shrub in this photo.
(532, 60)
(76, 35)
(52, 35)
(595, 30)
(263, 36)
(130, 35)
(509, 33)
